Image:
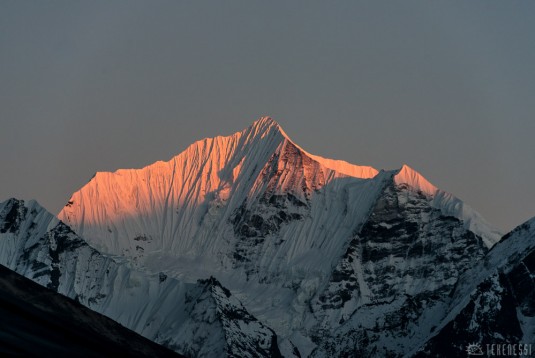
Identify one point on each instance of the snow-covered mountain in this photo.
(335, 258)
(200, 319)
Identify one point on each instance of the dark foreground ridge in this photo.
(36, 321)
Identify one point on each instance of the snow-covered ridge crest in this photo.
(449, 204)
(260, 129)
(340, 166)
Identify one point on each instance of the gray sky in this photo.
(445, 86)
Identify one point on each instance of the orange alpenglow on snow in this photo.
(184, 206)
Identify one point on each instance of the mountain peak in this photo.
(409, 176)
(265, 125)
(448, 204)
(265, 121)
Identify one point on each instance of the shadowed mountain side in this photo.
(493, 302)
(37, 321)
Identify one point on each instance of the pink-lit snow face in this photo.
(212, 167)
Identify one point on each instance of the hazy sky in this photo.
(447, 87)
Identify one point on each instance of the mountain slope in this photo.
(394, 280)
(318, 249)
(39, 322)
(38, 246)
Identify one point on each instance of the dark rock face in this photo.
(56, 244)
(244, 335)
(395, 277)
(412, 241)
(493, 314)
(60, 240)
(276, 206)
(12, 215)
(252, 226)
(522, 282)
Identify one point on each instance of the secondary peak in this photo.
(409, 176)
